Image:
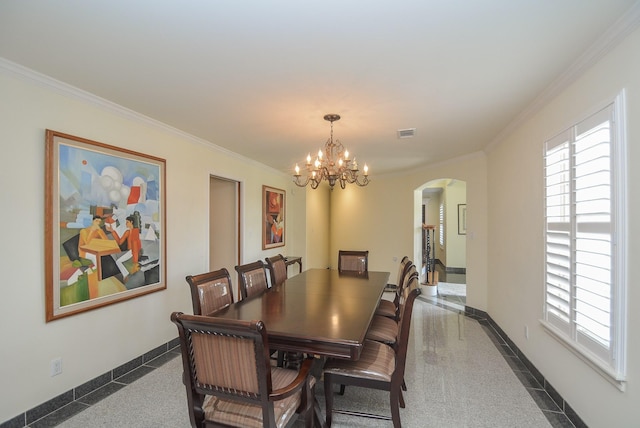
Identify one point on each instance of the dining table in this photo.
(320, 312)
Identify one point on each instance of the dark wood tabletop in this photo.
(319, 311)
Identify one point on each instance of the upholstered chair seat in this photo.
(387, 308)
(377, 362)
(383, 329)
(237, 414)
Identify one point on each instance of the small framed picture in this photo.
(273, 215)
(462, 219)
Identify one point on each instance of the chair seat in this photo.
(377, 362)
(383, 329)
(238, 414)
(386, 308)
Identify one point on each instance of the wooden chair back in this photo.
(277, 269)
(252, 278)
(353, 261)
(403, 268)
(409, 294)
(210, 291)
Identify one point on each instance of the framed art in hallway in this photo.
(105, 225)
(273, 217)
(462, 219)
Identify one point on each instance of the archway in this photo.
(441, 240)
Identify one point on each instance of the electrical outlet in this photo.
(56, 366)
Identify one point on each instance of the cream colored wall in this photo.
(377, 218)
(516, 244)
(456, 248)
(385, 218)
(94, 342)
(318, 210)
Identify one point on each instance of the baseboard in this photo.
(483, 317)
(459, 270)
(30, 416)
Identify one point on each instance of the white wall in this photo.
(516, 243)
(97, 341)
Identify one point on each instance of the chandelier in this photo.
(333, 165)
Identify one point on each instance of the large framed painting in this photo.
(273, 229)
(105, 232)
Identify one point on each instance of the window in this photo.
(441, 235)
(585, 248)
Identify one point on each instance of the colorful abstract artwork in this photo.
(104, 224)
(273, 204)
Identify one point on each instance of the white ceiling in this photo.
(257, 76)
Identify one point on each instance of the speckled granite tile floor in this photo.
(460, 373)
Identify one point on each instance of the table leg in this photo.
(316, 371)
(293, 360)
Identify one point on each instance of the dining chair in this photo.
(252, 278)
(384, 329)
(353, 261)
(277, 269)
(389, 308)
(379, 366)
(210, 291)
(229, 380)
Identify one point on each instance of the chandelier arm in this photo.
(296, 180)
(364, 182)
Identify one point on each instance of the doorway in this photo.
(224, 225)
(443, 249)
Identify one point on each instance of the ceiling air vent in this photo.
(407, 133)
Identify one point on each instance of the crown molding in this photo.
(31, 76)
(611, 38)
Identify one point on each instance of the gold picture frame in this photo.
(273, 217)
(105, 231)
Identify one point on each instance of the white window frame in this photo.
(441, 223)
(608, 359)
